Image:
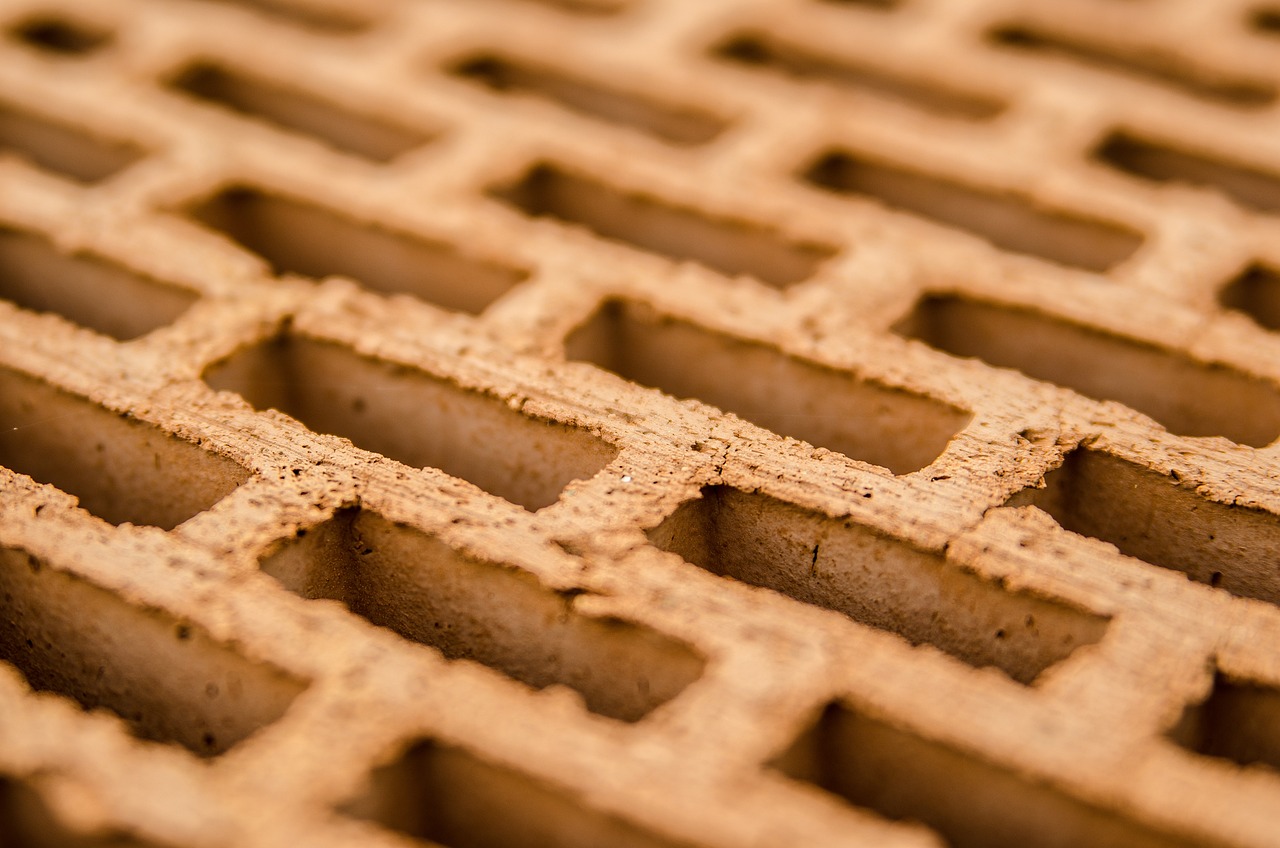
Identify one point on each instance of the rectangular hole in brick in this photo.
(121, 469)
(364, 135)
(1008, 221)
(671, 122)
(27, 822)
(330, 18)
(414, 418)
(1160, 519)
(413, 583)
(54, 33)
(456, 799)
(874, 579)
(972, 804)
(88, 290)
(1238, 721)
(62, 149)
(1189, 398)
(732, 247)
(298, 237)
(899, 430)
(1256, 293)
(1158, 67)
(767, 52)
(1159, 162)
(169, 680)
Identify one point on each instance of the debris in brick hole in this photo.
(807, 423)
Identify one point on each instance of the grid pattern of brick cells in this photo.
(639, 423)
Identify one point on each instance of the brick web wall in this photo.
(639, 422)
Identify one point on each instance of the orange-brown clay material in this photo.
(639, 423)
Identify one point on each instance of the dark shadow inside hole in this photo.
(732, 247)
(457, 799)
(1238, 721)
(1162, 520)
(1255, 291)
(415, 417)
(86, 289)
(671, 122)
(876, 580)
(26, 821)
(874, 764)
(361, 133)
(1187, 396)
(61, 35)
(1007, 220)
(120, 468)
(414, 583)
(296, 236)
(170, 681)
(865, 420)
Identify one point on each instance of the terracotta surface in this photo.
(639, 422)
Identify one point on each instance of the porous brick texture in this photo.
(639, 423)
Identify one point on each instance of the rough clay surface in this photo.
(651, 422)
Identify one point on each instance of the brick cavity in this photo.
(1162, 520)
(407, 580)
(414, 417)
(169, 680)
(456, 799)
(875, 580)
(1188, 397)
(876, 765)
(296, 236)
(864, 420)
(121, 469)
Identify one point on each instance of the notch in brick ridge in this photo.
(1251, 187)
(292, 109)
(1009, 221)
(768, 52)
(414, 583)
(864, 420)
(414, 417)
(1163, 521)
(1187, 397)
(876, 580)
(86, 289)
(675, 123)
(1157, 67)
(876, 765)
(169, 680)
(62, 149)
(731, 247)
(298, 236)
(451, 797)
(120, 469)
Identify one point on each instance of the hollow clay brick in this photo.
(639, 423)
